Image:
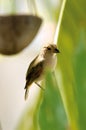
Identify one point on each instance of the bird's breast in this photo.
(50, 63)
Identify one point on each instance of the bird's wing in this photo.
(34, 70)
(30, 66)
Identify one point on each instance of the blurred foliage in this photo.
(29, 119)
(80, 77)
(52, 115)
(71, 63)
(71, 78)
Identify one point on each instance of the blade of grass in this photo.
(59, 22)
(72, 22)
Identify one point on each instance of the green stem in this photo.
(59, 22)
(65, 91)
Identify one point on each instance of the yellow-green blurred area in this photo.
(72, 63)
(62, 105)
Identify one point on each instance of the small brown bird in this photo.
(44, 61)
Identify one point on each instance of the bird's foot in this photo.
(39, 86)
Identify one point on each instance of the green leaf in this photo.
(68, 77)
(80, 76)
(52, 115)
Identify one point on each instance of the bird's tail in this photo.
(26, 94)
(27, 89)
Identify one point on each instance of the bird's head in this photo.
(51, 49)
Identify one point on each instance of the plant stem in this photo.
(59, 22)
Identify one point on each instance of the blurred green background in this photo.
(62, 105)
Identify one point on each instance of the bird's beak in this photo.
(56, 51)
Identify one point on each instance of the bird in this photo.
(44, 61)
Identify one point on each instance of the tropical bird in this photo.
(44, 61)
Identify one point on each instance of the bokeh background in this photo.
(62, 106)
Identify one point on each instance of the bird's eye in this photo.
(49, 48)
